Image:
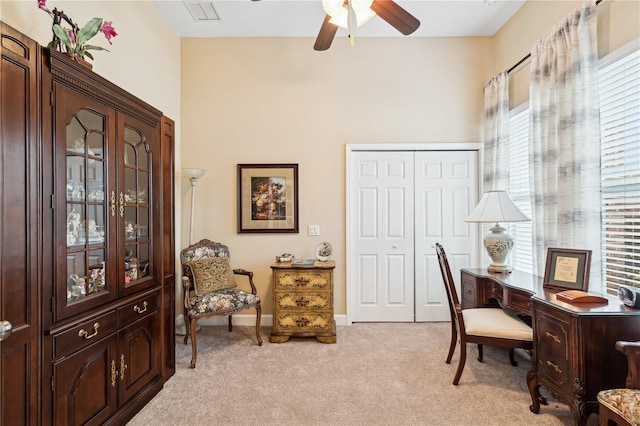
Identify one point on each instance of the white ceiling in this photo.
(303, 18)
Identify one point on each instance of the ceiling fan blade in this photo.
(396, 16)
(326, 34)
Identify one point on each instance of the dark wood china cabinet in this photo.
(104, 213)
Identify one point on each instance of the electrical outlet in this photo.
(314, 230)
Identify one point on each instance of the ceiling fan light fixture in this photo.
(339, 11)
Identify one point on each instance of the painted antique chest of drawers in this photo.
(303, 302)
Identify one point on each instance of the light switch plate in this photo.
(314, 230)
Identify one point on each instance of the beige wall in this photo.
(144, 57)
(269, 100)
(278, 101)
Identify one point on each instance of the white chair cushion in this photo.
(495, 322)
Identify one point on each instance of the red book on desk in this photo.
(579, 296)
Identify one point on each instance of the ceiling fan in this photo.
(351, 13)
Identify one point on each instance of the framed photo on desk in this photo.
(567, 269)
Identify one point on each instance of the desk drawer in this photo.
(555, 369)
(493, 291)
(468, 292)
(520, 303)
(552, 335)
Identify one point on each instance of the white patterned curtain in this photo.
(496, 133)
(565, 139)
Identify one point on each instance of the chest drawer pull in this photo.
(85, 334)
(302, 282)
(554, 337)
(302, 302)
(555, 367)
(139, 310)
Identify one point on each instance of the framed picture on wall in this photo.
(267, 198)
(567, 269)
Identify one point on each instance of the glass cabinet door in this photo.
(137, 235)
(104, 164)
(86, 206)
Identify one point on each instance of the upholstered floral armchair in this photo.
(210, 289)
(622, 406)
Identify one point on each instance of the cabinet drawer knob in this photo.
(85, 334)
(141, 310)
(554, 337)
(554, 366)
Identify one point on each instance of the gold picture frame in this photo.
(567, 269)
(267, 198)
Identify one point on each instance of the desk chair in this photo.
(622, 406)
(483, 326)
(210, 289)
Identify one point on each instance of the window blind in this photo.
(620, 168)
(521, 232)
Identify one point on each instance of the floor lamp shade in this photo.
(193, 175)
(496, 207)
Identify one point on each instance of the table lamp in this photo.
(497, 206)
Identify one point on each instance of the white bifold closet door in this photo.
(400, 204)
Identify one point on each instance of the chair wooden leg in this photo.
(258, 318)
(187, 326)
(230, 326)
(512, 357)
(454, 341)
(480, 353)
(463, 359)
(194, 350)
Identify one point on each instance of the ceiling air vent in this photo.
(202, 10)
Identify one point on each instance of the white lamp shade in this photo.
(193, 173)
(495, 207)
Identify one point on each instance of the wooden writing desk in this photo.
(574, 354)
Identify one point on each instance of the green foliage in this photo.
(62, 35)
(79, 47)
(88, 31)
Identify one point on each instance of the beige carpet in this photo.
(377, 374)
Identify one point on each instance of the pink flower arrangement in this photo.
(75, 39)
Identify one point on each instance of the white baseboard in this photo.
(247, 320)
